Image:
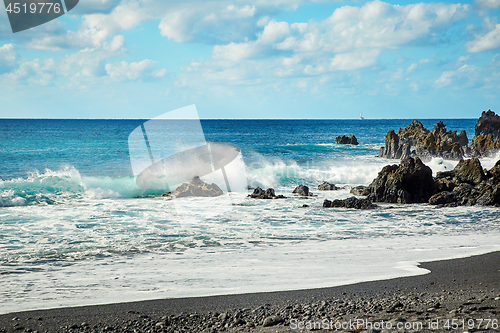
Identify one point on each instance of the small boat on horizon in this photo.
(361, 116)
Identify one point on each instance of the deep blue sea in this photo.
(76, 229)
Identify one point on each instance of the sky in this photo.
(255, 59)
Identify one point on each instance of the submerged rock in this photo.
(327, 187)
(351, 202)
(409, 182)
(259, 193)
(344, 140)
(361, 190)
(196, 188)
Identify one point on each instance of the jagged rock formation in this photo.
(416, 141)
(327, 187)
(487, 133)
(468, 184)
(351, 202)
(488, 123)
(391, 149)
(344, 140)
(259, 193)
(409, 182)
(427, 144)
(196, 188)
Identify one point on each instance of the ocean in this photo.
(76, 229)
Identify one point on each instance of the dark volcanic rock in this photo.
(302, 190)
(438, 143)
(488, 123)
(442, 143)
(409, 182)
(470, 185)
(445, 184)
(406, 150)
(344, 140)
(361, 190)
(327, 187)
(484, 145)
(442, 198)
(259, 193)
(487, 132)
(462, 139)
(391, 149)
(413, 133)
(196, 188)
(469, 171)
(351, 202)
(495, 173)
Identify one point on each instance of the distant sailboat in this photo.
(361, 116)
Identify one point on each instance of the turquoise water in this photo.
(76, 229)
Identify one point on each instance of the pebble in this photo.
(408, 307)
(272, 321)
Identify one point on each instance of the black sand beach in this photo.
(459, 295)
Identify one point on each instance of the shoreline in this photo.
(454, 289)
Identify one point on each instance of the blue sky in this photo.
(255, 59)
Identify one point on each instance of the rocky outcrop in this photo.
(487, 131)
(259, 193)
(427, 144)
(416, 141)
(351, 202)
(302, 190)
(391, 149)
(196, 188)
(409, 182)
(344, 140)
(413, 133)
(327, 187)
(483, 145)
(469, 171)
(360, 191)
(488, 123)
(468, 184)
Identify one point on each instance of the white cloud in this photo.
(8, 57)
(160, 72)
(93, 6)
(466, 74)
(131, 71)
(352, 37)
(445, 79)
(488, 41)
(246, 11)
(35, 72)
(487, 4)
(354, 60)
(411, 68)
(381, 25)
(235, 51)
